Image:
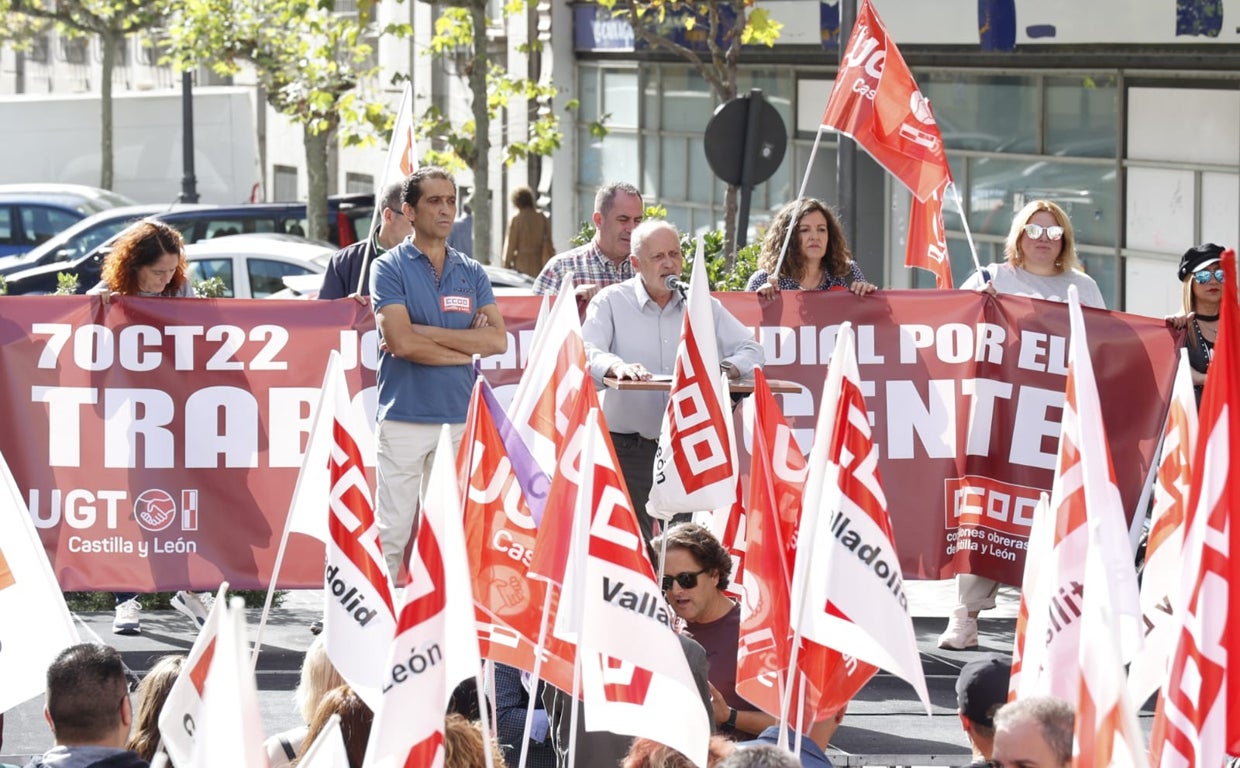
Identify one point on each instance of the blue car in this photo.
(80, 249)
(31, 214)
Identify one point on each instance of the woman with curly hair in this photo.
(152, 692)
(818, 256)
(148, 259)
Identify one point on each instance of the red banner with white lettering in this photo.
(157, 442)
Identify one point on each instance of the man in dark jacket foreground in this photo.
(88, 710)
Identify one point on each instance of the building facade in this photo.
(1127, 114)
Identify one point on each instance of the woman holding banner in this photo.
(1041, 263)
(817, 258)
(1203, 295)
(148, 260)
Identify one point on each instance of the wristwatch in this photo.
(731, 722)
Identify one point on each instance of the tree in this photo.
(311, 61)
(462, 26)
(729, 25)
(112, 21)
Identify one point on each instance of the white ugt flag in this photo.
(693, 468)
(28, 589)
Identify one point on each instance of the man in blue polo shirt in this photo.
(434, 309)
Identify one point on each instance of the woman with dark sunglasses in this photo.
(1202, 275)
(1041, 262)
(1041, 259)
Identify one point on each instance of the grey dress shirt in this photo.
(624, 325)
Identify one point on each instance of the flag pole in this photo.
(406, 106)
(964, 222)
(783, 251)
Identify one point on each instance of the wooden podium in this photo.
(663, 384)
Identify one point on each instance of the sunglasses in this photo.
(686, 580)
(1034, 231)
(1202, 276)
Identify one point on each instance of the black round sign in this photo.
(725, 141)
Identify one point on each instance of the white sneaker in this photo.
(961, 632)
(195, 606)
(128, 619)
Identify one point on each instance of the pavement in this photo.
(886, 724)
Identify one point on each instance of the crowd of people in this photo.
(434, 309)
(96, 723)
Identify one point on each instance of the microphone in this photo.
(674, 283)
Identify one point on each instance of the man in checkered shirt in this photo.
(618, 208)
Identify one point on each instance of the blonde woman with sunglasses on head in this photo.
(1041, 259)
(1041, 263)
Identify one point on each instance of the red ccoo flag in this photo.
(927, 238)
(1198, 717)
(877, 103)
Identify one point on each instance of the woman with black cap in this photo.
(1202, 275)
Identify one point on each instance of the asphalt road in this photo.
(885, 724)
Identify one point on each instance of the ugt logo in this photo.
(155, 509)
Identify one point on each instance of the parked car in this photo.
(79, 248)
(254, 266)
(504, 282)
(31, 214)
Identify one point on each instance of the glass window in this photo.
(222, 228)
(267, 277)
(999, 188)
(673, 170)
(982, 112)
(652, 163)
(6, 226)
(1082, 116)
(620, 98)
(40, 223)
(1102, 267)
(205, 269)
(589, 159)
(702, 180)
(588, 93)
(687, 103)
(617, 158)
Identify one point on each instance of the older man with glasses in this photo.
(696, 570)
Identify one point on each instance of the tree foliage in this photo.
(724, 26)
(112, 21)
(314, 64)
(459, 38)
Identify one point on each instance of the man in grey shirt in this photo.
(632, 331)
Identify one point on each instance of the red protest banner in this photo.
(157, 442)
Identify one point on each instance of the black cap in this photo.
(1198, 256)
(982, 687)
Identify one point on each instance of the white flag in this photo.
(1106, 720)
(435, 644)
(1164, 553)
(328, 750)
(358, 617)
(848, 591)
(178, 720)
(28, 590)
(230, 728)
(693, 468)
(635, 688)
